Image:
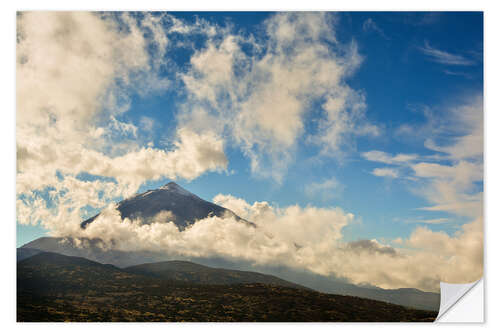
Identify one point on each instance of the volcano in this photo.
(178, 205)
(169, 203)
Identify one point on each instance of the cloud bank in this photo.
(307, 238)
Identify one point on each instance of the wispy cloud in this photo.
(453, 73)
(399, 161)
(421, 19)
(383, 157)
(326, 190)
(370, 25)
(444, 57)
(430, 221)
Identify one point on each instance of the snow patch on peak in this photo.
(173, 187)
(145, 194)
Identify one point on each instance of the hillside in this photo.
(195, 273)
(92, 250)
(53, 287)
(23, 253)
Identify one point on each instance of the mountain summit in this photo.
(174, 187)
(178, 205)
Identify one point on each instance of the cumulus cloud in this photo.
(193, 155)
(60, 207)
(464, 250)
(371, 246)
(75, 73)
(235, 82)
(279, 234)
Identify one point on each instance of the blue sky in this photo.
(409, 85)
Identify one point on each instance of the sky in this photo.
(357, 135)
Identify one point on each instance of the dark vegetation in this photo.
(54, 287)
(186, 271)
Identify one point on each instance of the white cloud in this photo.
(193, 154)
(467, 118)
(430, 221)
(327, 189)
(385, 172)
(75, 72)
(451, 183)
(444, 57)
(463, 251)
(60, 209)
(454, 186)
(383, 157)
(276, 239)
(239, 206)
(370, 25)
(451, 180)
(123, 127)
(147, 123)
(297, 62)
(462, 172)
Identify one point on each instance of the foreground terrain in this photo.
(54, 287)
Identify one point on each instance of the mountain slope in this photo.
(183, 206)
(57, 271)
(23, 253)
(53, 287)
(91, 249)
(403, 296)
(195, 273)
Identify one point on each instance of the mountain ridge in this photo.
(201, 274)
